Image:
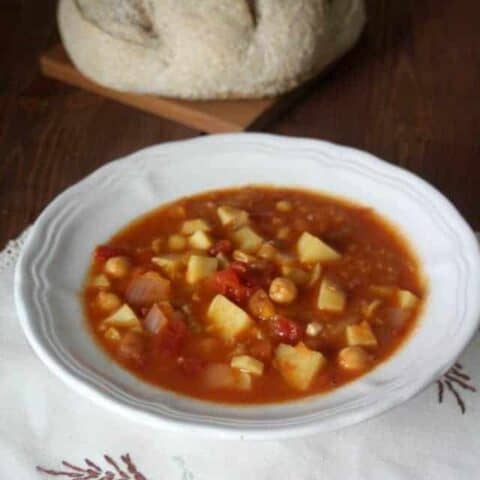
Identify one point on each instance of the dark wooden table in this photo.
(410, 93)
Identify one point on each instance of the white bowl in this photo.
(54, 260)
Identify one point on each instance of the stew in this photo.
(253, 295)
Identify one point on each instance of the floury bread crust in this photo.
(206, 49)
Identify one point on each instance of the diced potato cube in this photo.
(267, 251)
(315, 275)
(298, 365)
(330, 297)
(200, 267)
(406, 299)
(247, 364)
(354, 358)
(361, 335)
(247, 239)
(177, 242)
(124, 317)
(313, 329)
(169, 264)
(222, 376)
(112, 334)
(296, 275)
(200, 240)
(192, 226)
(242, 380)
(311, 249)
(100, 281)
(226, 319)
(230, 216)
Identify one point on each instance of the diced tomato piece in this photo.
(173, 335)
(227, 282)
(226, 278)
(222, 246)
(104, 252)
(192, 366)
(261, 349)
(286, 330)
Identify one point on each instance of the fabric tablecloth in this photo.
(48, 431)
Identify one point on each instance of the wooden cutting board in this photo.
(207, 116)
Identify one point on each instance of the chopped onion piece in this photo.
(155, 320)
(147, 289)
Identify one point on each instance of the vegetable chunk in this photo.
(200, 240)
(298, 365)
(200, 267)
(353, 358)
(222, 376)
(196, 225)
(169, 264)
(247, 239)
(361, 335)
(406, 299)
(247, 364)
(124, 317)
(311, 249)
(112, 334)
(330, 297)
(227, 319)
(230, 216)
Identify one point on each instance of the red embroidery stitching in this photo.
(93, 472)
(453, 380)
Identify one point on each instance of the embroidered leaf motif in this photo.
(454, 381)
(124, 470)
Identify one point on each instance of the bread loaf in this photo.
(206, 49)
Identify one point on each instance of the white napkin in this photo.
(47, 431)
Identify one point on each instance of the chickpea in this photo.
(283, 290)
(241, 256)
(117, 267)
(353, 358)
(267, 251)
(108, 301)
(261, 306)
